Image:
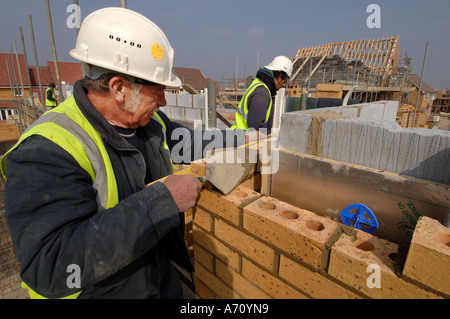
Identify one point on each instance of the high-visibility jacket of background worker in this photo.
(48, 102)
(242, 111)
(68, 127)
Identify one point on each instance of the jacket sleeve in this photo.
(188, 145)
(258, 104)
(51, 212)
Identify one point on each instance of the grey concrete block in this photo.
(351, 112)
(178, 113)
(184, 100)
(294, 131)
(166, 110)
(390, 110)
(372, 112)
(171, 99)
(384, 145)
(199, 101)
(193, 114)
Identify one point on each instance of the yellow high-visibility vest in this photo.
(48, 102)
(242, 111)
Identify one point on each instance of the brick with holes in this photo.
(369, 265)
(428, 260)
(297, 232)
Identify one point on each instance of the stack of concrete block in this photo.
(368, 135)
(186, 107)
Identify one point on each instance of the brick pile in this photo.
(247, 245)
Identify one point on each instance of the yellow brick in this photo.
(239, 284)
(198, 167)
(312, 283)
(269, 283)
(230, 206)
(253, 183)
(215, 284)
(298, 232)
(203, 219)
(245, 244)
(215, 247)
(428, 260)
(202, 291)
(204, 257)
(350, 260)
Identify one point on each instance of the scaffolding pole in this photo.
(55, 58)
(420, 85)
(13, 83)
(33, 41)
(36, 115)
(27, 121)
(77, 28)
(10, 77)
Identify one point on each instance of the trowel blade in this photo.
(228, 169)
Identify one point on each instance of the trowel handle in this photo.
(202, 179)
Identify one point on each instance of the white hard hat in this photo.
(281, 63)
(121, 40)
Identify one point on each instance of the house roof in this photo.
(415, 80)
(193, 77)
(4, 76)
(69, 72)
(46, 76)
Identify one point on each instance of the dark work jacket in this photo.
(259, 101)
(54, 222)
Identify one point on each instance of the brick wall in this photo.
(247, 245)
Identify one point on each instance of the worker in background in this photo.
(255, 110)
(50, 97)
(83, 218)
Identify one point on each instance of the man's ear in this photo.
(117, 87)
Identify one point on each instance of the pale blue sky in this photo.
(210, 34)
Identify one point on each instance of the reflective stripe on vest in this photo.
(242, 110)
(50, 102)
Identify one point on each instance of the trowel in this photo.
(227, 168)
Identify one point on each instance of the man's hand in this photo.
(184, 190)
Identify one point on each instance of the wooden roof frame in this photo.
(379, 55)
